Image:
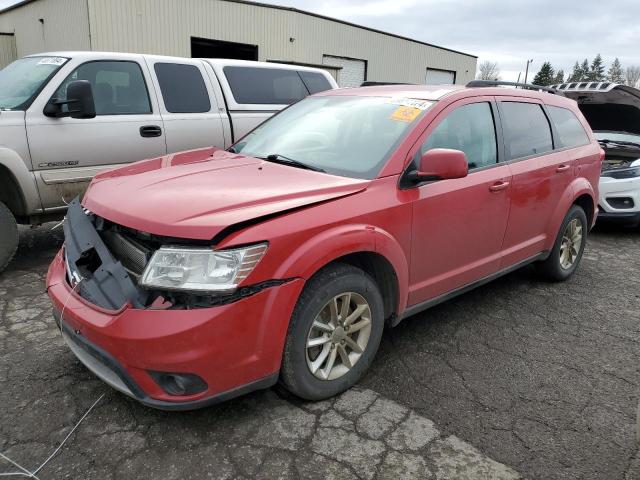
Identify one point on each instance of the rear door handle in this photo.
(499, 186)
(563, 168)
(150, 131)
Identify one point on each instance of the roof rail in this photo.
(369, 83)
(497, 83)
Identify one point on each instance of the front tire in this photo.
(334, 333)
(568, 248)
(8, 236)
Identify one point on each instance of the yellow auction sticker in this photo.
(405, 114)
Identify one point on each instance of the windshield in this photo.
(342, 135)
(23, 79)
(617, 136)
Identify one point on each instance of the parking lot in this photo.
(515, 378)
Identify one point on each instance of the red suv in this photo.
(196, 277)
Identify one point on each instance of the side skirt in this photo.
(432, 302)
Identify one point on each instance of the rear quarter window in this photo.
(183, 88)
(570, 130)
(527, 130)
(267, 86)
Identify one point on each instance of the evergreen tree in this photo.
(545, 75)
(576, 74)
(585, 71)
(559, 78)
(596, 72)
(616, 73)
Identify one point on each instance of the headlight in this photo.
(201, 269)
(622, 173)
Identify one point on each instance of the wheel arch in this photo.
(17, 185)
(579, 192)
(369, 248)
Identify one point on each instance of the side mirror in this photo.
(442, 164)
(79, 102)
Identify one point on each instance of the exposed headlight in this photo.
(201, 269)
(621, 173)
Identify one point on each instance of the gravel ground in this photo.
(518, 377)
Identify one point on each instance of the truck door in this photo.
(67, 152)
(189, 104)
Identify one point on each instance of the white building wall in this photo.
(64, 26)
(165, 27)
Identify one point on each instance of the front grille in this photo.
(133, 255)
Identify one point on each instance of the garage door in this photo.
(440, 77)
(352, 71)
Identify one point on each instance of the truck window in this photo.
(268, 86)
(183, 88)
(118, 87)
(315, 82)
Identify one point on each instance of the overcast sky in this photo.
(507, 32)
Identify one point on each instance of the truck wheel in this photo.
(334, 333)
(568, 247)
(8, 236)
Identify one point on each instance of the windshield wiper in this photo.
(622, 143)
(277, 158)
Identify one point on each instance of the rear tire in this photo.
(340, 311)
(568, 248)
(8, 236)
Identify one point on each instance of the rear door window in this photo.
(570, 131)
(526, 128)
(315, 82)
(471, 129)
(183, 88)
(266, 86)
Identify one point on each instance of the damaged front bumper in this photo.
(231, 348)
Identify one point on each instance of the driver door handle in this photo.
(150, 131)
(563, 168)
(499, 186)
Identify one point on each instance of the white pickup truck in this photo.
(66, 116)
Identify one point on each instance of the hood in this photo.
(607, 106)
(197, 194)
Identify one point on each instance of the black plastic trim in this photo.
(432, 302)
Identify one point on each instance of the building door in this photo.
(440, 77)
(207, 48)
(352, 70)
(7, 49)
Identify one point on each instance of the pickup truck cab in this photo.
(133, 107)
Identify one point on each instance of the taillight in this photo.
(601, 155)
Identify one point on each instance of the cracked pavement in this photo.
(518, 377)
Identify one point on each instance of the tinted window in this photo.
(315, 82)
(118, 87)
(469, 128)
(568, 127)
(183, 88)
(265, 85)
(526, 128)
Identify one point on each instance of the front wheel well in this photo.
(10, 193)
(586, 203)
(382, 272)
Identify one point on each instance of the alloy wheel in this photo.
(571, 243)
(338, 336)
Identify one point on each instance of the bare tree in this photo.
(632, 76)
(488, 71)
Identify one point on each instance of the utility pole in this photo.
(526, 72)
